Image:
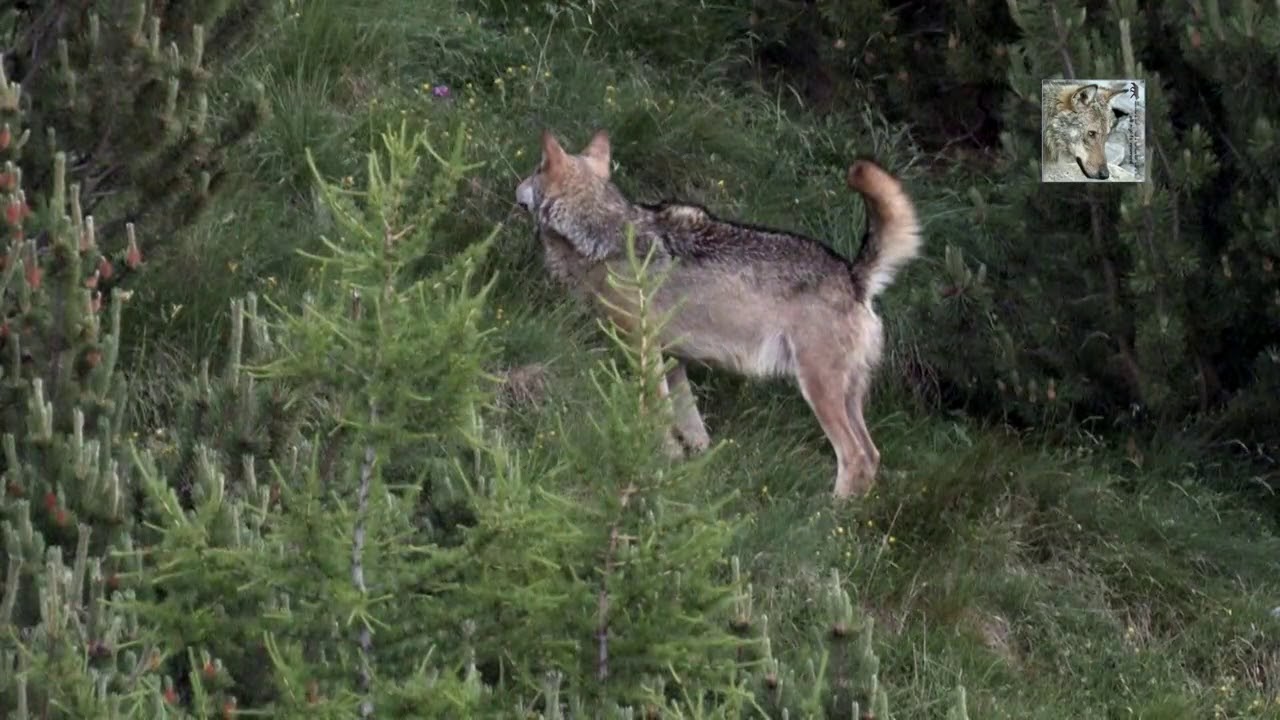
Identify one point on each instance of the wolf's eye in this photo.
(1093, 133)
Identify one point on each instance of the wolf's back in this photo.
(892, 237)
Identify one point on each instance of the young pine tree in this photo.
(1140, 302)
(406, 559)
(133, 93)
(66, 483)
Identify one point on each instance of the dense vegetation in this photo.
(295, 425)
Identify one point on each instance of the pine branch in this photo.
(364, 637)
(1129, 363)
(1061, 29)
(602, 623)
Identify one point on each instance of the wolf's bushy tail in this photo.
(892, 237)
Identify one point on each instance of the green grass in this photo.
(1053, 581)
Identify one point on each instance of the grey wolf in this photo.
(758, 301)
(1078, 119)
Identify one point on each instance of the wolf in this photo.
(758, 301)
(1078, 120)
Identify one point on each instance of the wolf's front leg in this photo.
(688, 420)
(670, 443)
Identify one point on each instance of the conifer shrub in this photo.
(136, 94)
(1147, 305)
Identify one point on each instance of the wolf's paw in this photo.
(698, 442)
(854, 486)
(671, 447)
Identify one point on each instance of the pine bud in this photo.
(105, 268)
(92, 281)
(88, 237)
(133, 256)
(6, 137)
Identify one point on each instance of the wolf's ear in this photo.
(1085, 95)
(597, 154)
(552, 154)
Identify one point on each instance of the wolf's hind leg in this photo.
(857, 397)
(825, 389)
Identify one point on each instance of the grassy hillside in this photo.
(1052, 580)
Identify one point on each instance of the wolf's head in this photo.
(1087, 119)
(559, 173)
(573, 196)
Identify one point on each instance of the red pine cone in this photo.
(6, 137)
(14, 212)
(7, 182)
(50, 501)
(105, 268)
(92, 281)
(34, 275)
(171, 696)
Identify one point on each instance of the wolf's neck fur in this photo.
(595, 225)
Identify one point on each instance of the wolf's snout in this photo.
(524, 196)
